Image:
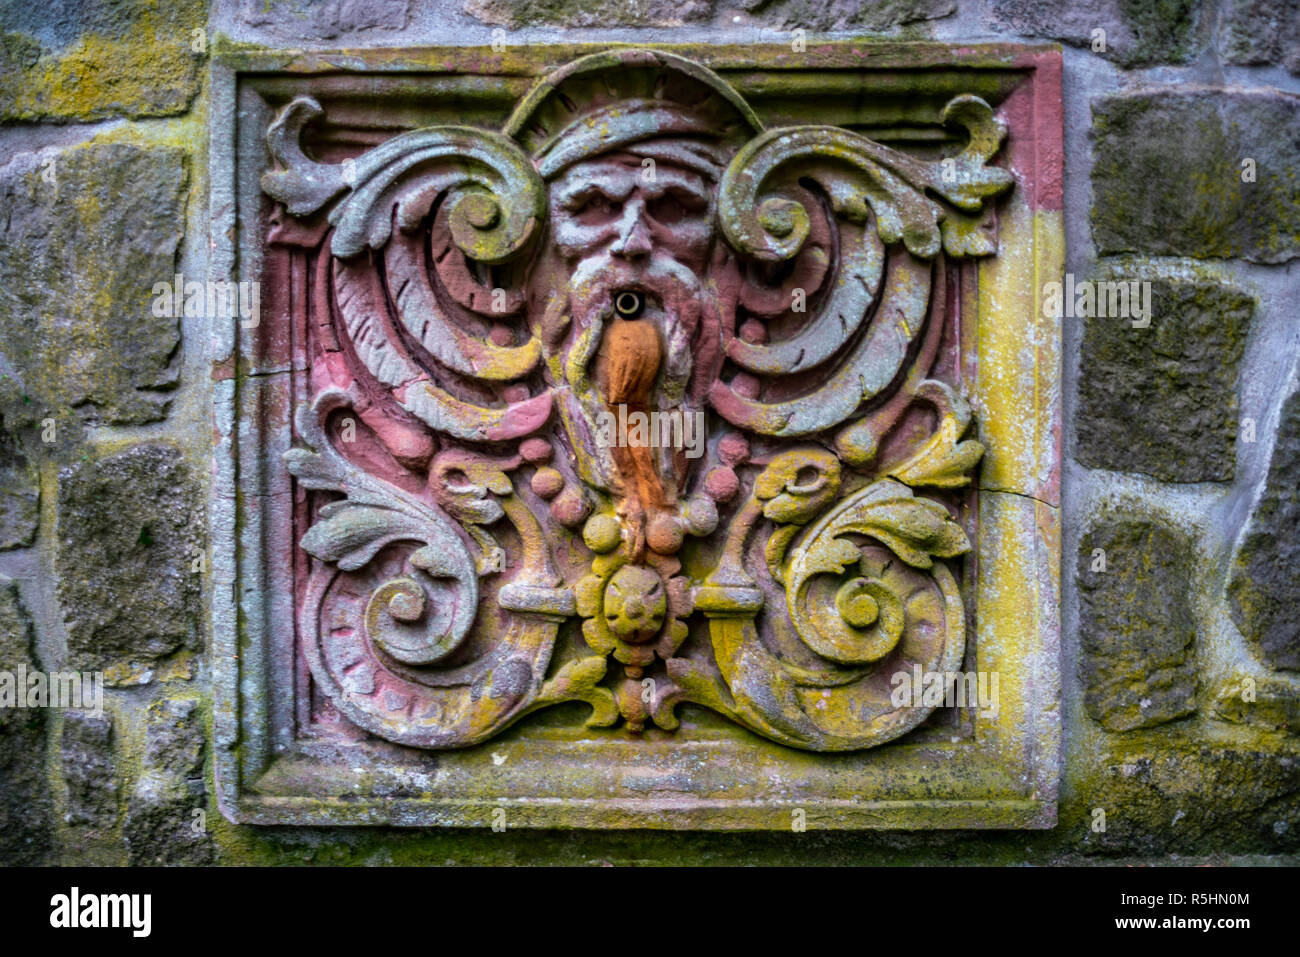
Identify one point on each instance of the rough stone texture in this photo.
(129, 526)
(325, 19)
(174, 738)
(1162, 400)
(89, 60)
(1266, 570)
(89, 770)
(161, 825)
(1178, 798)
(20, 492)
(25, 809)
(817, 16)
(1167, 176)
(588, 13)
(1255, 32)
(1258, 702)
(1164, 790)
(809, 15)
(37, 430)
(1135, 625)
(82, 254)
(1138, 32)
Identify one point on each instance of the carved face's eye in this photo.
(597, 208)
(675, 205)
(667, 210)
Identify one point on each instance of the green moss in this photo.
(138, 62)
(18, 52)
(1168, 176)
(588, 13)
(1164, 31)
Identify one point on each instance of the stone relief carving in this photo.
(490, 310)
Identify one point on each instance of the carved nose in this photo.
(634, 238)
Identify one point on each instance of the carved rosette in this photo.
(637, 366)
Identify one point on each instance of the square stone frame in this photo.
(1002, 772)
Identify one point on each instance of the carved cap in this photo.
(644, 102)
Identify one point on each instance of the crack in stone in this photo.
(1007, 491)
(246, 376)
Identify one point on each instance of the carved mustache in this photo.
(596, 279)
(677, 299)
(675, 295)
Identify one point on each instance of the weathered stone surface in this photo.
(1266, 570)
(1162, 400)
(40, 431)
(588, 13)
(24, 793)
(166, 817)
(616, 533)
(1256, 32)
(1185, 799)
(815, 16)
(20, 492)
(86, 60)
(174, 738)
(1259, 702)
(129, 527)
(317, 20)
(1137, 32)
(1135, 624)
(1167, 176)
(89, 769)
(86, 232)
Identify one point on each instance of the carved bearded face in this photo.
(636, 211)
(623, 223)
(636, 222)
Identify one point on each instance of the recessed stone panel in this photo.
(629, 458)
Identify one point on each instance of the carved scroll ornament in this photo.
(632, 246)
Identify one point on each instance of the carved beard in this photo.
(643, 365)
(673, 294)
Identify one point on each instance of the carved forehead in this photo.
(617, 176)
(632, 100)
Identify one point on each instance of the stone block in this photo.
(1265, 577)
(1204, 173)
(87, 231)
(25, 807)
(1135, 624)
(129, 530)
(1160, 397)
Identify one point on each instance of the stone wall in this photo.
(1181, 561)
